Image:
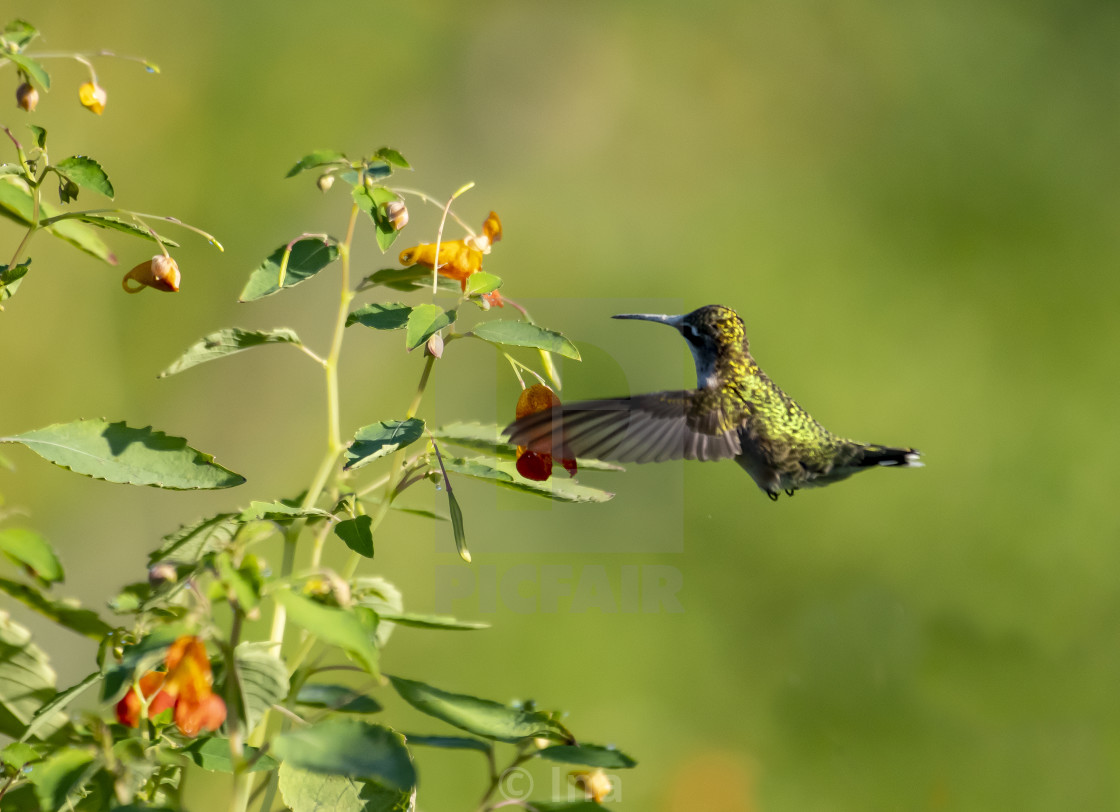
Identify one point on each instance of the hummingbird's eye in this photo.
(692, 334)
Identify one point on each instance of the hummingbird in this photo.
(735, 412)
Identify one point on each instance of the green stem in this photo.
(31, 229)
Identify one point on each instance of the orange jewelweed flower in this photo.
(160, 272)
(186, 685)
(458, 259)
(595, 784)
(536, 464)
(93, 97)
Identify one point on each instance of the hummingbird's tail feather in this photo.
(886, 456)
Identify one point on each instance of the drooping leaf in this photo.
(212, 753)
(48, 715)
(558, 488)
(524, 334)
(11, 277)
(308, 257)
(458, 528)
(32, 67)
(386, 316)
(376, 593)
(339, 698)
(351, 748)
(60, 775)
(279, 512)
(415, 277)
(119, 453)
(313, 160)
(108, 221)
(589, 755)
(381, 439)
(40, 135)
(482, 282)
(16, 203)
(65, 613)
(333, 626)
(30, 550)
(227, 342)
(424, 321)
(87, 173)
(306, 791)
(194, 541)
(482, 717)
(448, 742)
(19, 33)
(488, 437)
(356, 533)
(263, 678)
(26, 682)
(390, 155)
(421, 621)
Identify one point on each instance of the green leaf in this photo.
(48, 714)
(87, 173)
(263, 678)
(376, 593)
(236, 586)
(111, 223)
(387, 316)
(371, 200)
(308, 257)
(212, 753)
(60, 775)
(30, 550)
(489, 437)
(448, 742)
(119, 453)
(558, 488)
(194, 541)
(40, 135)
(336, 627)
(279, 512)
(381, 439)
(420, 621)
(524, 334)
(19, 33)
(16, 203)
(227, 342)
(34, 70)
(391, 156)
(17, 754)
(313, 160)
(566, 806)
(66, 613)
(589, 755)
(26, 681)
(458, 528)
(424, 321)
(306, 791)
(357, 534)
(408, 279)
(339, 698)
(423, 514)
(481, 717)
(481, 282)
(351, 748)
(11, 277)
(148, 652)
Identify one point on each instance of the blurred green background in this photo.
(914, 207)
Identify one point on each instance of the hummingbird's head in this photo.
(714, 333)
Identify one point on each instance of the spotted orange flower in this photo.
(458, 259)
(186, 686)
(536, 464)
(160, 272)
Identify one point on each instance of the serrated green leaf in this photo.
(505, 474)
(17, 754)
(481, 282)
(32, 67)
(524, 334)
(336, 627)
(306, 791)
(263, 678)
(320, 157)
(119, 453)
(356, 533)
(340, 698)
(482, 717)
(49, 714)
(66, 613)
(489, 437)
(61, 775)
(212, 753)
(109, 222)
(26, 681)
(87, 173)
(390, 155)
(421, 621)
(381, 439)
(385, 316)
(30, 550)
(194, 541)
(11, 277)
(448, 742)
(424, 321)
(589, 755)
(229, 341)
(279, 512)
(408, 279)
(16, 204)
(351, 748)
(376, 593)
(308, 257)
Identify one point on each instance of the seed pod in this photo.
(27, 97)
(93, 97)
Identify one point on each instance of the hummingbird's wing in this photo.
(644, 428)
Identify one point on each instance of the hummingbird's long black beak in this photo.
(672, 321)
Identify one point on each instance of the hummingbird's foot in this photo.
(789, 491)
(773, 495)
